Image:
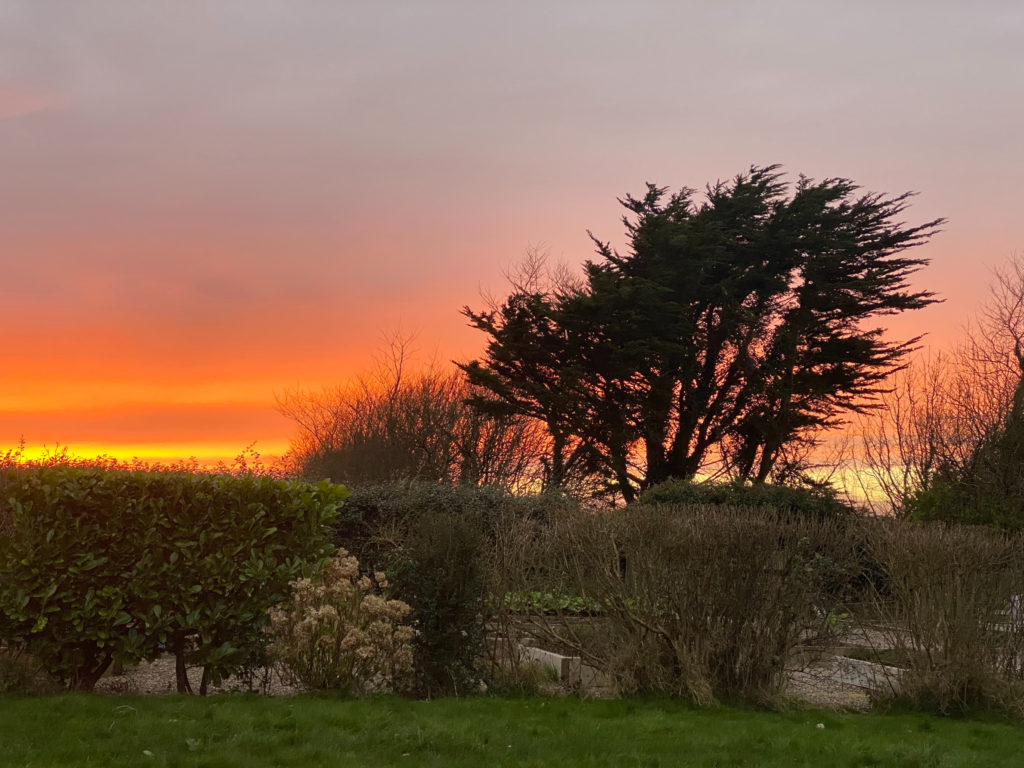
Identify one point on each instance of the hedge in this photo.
(811, 502)
(98, 565)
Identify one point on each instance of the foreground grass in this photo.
(306, 731)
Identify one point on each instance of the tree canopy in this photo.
(735, 328)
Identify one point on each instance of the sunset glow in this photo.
(185, 237)
(206, 454)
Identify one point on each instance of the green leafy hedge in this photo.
(99, 565)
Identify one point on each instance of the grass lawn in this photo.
(248, 731)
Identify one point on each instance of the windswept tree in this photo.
(735, 328)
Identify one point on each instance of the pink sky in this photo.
(203, 204)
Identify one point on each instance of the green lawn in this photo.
(307, 731)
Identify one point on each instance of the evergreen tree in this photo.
(734, 327)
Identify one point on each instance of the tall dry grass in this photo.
(698, 602)
(950, 601)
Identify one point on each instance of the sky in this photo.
(204, 205)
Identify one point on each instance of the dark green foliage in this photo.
(368, 523)
(953, 500)
(440, 570)
(99, 565)
(810, 502)
(733, 330)
(433, 541)
(535, 602)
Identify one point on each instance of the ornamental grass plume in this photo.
(337, 632)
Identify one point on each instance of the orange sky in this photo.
(204, 204)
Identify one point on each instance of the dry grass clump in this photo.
(20, 674)
(705, 603)
(338, 633)
(950, 598)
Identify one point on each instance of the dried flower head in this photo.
(338, 632)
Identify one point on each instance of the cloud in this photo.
(20, 99)
(209, 201)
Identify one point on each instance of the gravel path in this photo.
(157, 678)
(814, 684)
(817, 685)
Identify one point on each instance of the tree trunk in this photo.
(621, 470)
(95, 664)
(556, 469)
(180, 671)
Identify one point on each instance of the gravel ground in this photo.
(157, 678)
(814, 684)
(817, 681)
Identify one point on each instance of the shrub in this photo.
(952, 606)
(434, 542)
(705, 603)
(840, 582)
(99, 565)
(968, 501)
(368, 522)
(336, 632)
(440, 569)
(812, 502)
